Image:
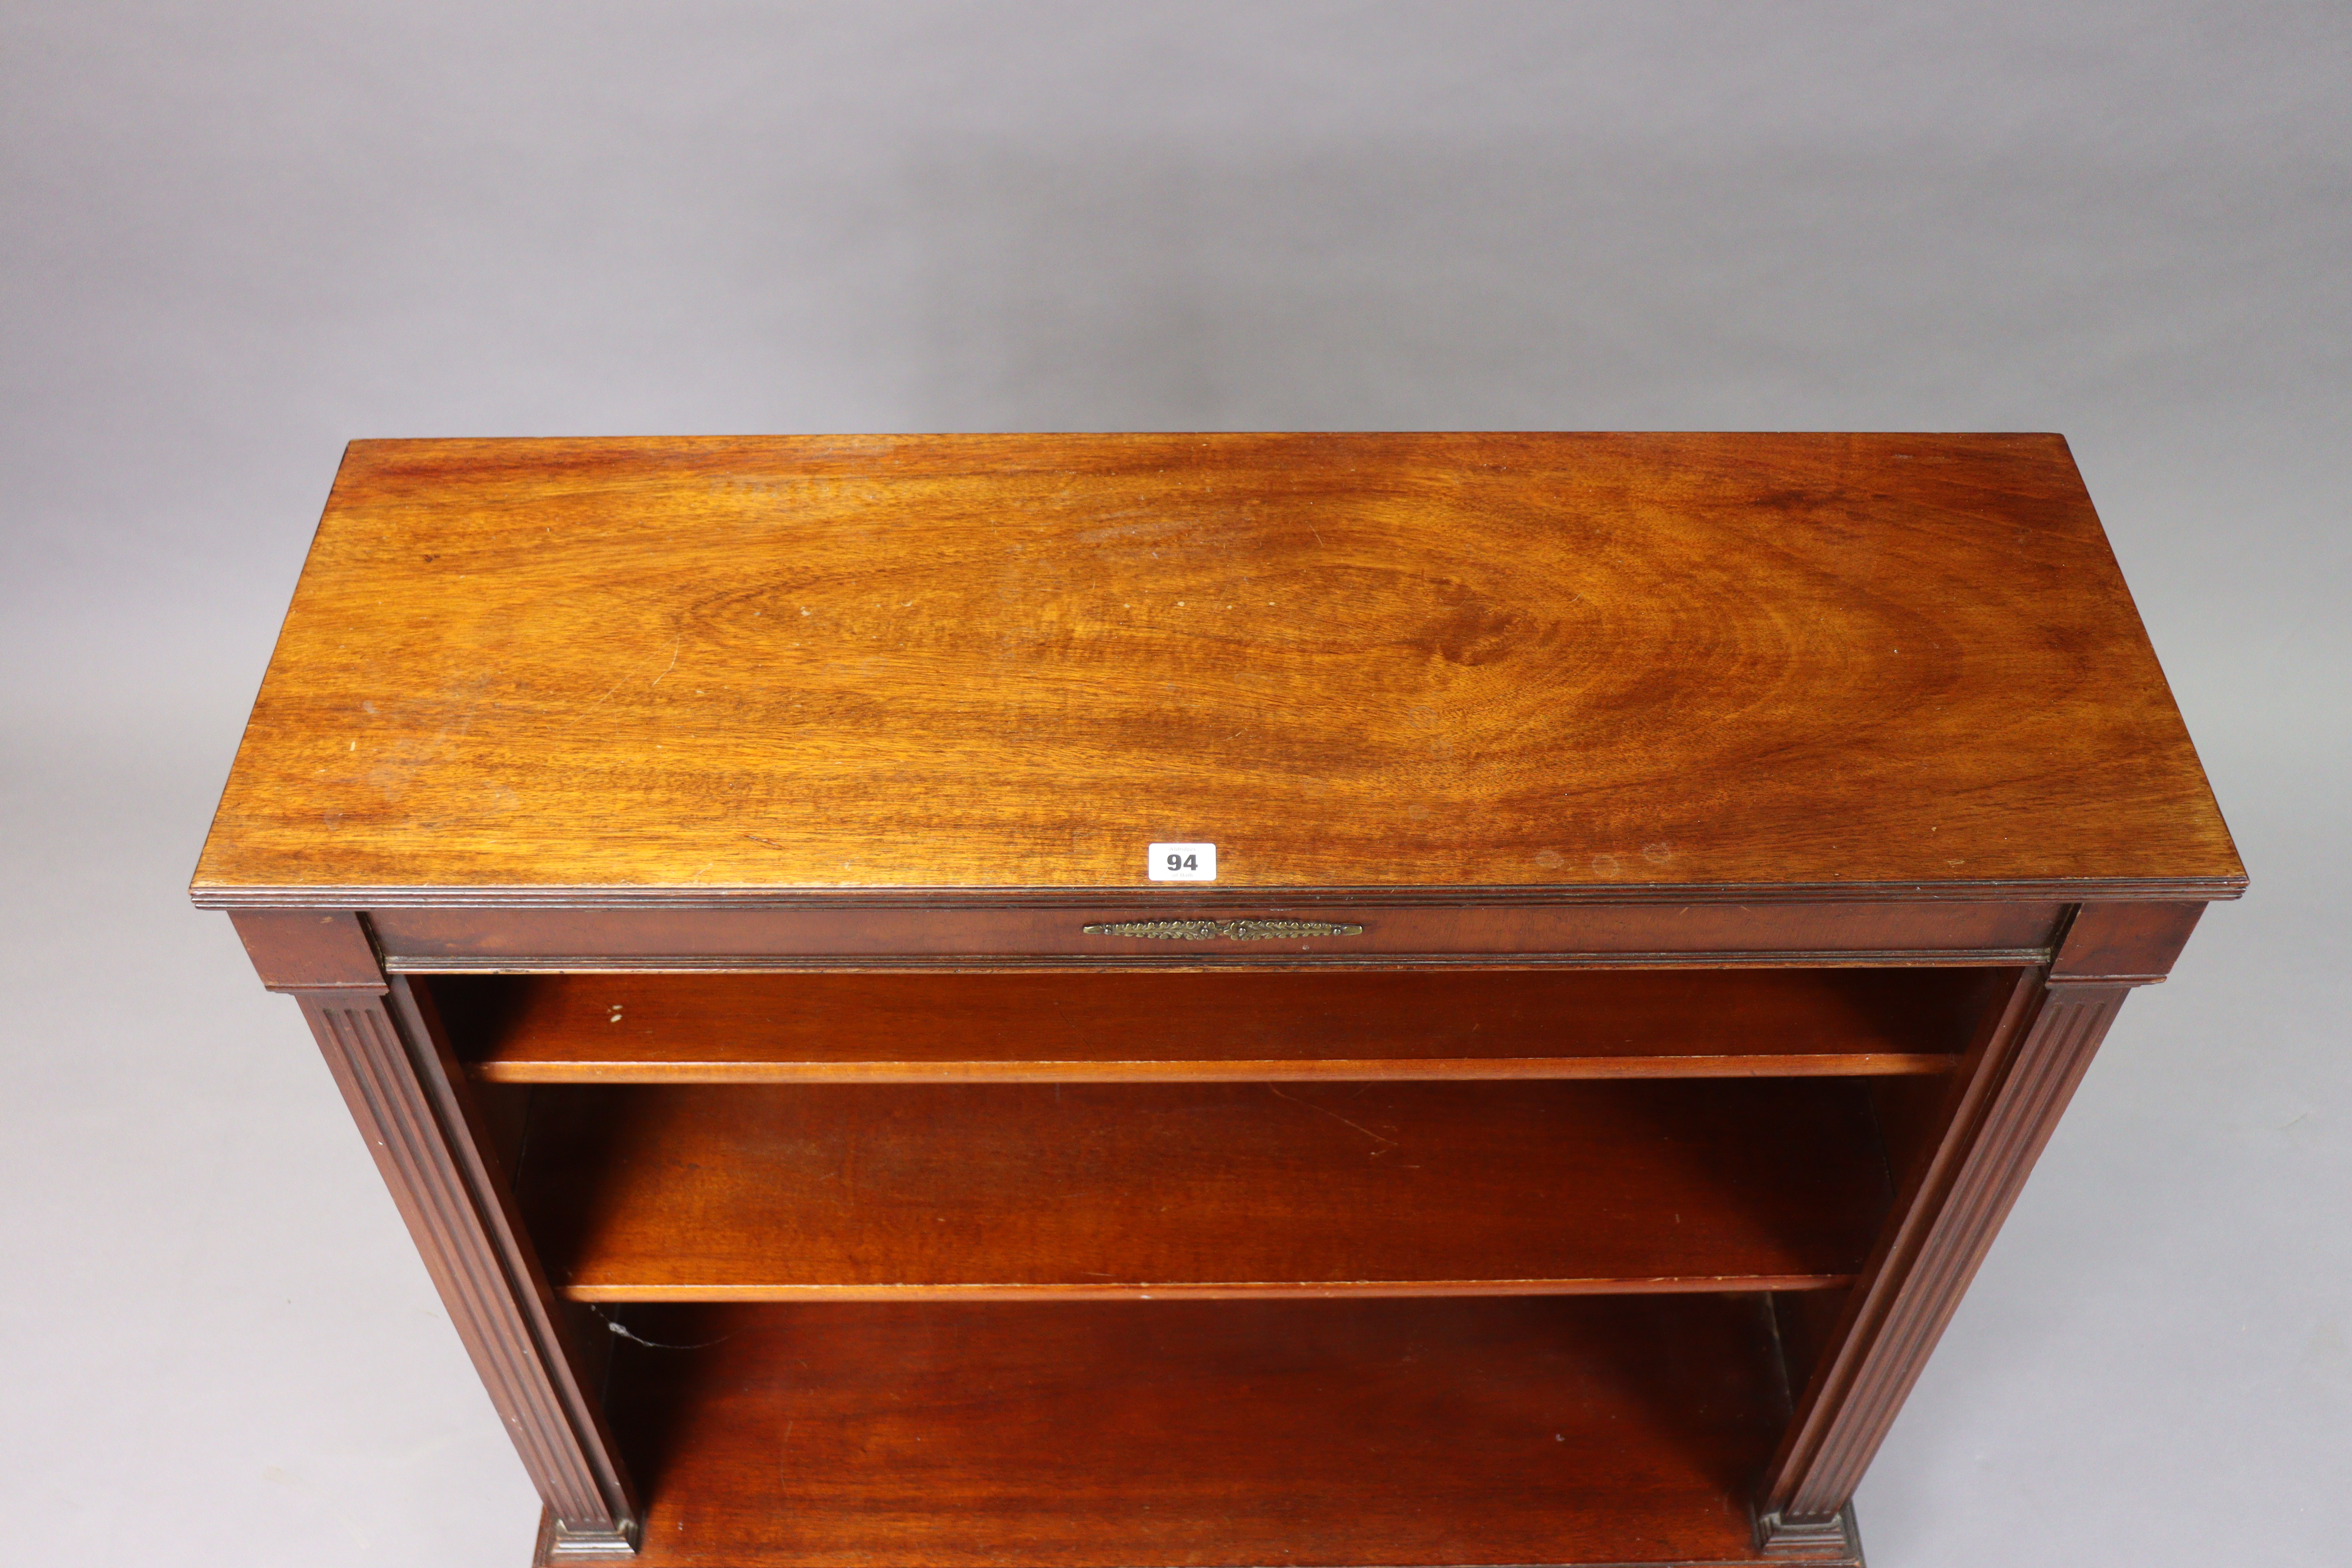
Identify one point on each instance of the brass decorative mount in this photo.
(1227, 931)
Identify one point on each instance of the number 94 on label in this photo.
(1181, 862)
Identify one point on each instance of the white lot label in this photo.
(1182, 862)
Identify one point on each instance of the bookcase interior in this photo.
(913, 1262)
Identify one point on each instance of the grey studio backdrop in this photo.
(237, 235)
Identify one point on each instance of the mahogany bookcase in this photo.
(1153, 1000)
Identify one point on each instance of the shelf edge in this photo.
(1233, 1290)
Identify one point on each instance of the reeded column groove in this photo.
(2041, 1072)
(453, 1228)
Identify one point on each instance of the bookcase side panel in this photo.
(397, 1079)
(2006, 1104)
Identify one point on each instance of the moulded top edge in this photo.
(212, 897)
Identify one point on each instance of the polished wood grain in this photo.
(666, 668)
(310, 950)
(717, 1191)
(2124, 944)
(948, 1028)
(1155, 1434)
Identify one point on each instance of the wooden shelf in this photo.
(1152, 1435)
(560, 1029)
(775, 1193)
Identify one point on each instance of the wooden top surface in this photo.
(1547, 665)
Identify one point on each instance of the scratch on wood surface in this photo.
(1336, 1117)
(631, 675)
